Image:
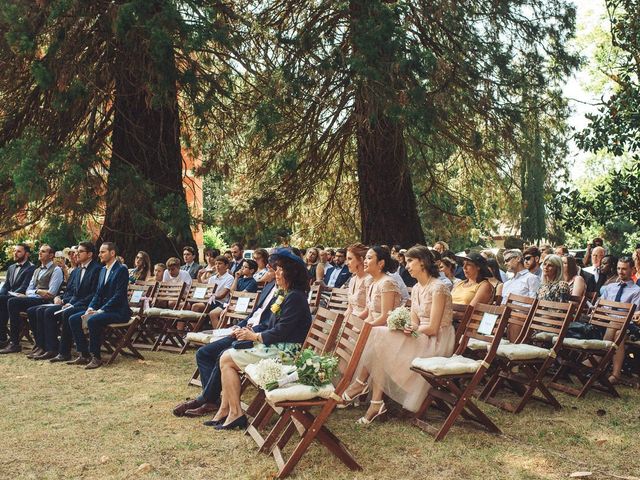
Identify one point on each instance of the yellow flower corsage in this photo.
(277, 305)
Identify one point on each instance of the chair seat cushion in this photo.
(475, 344)
(188, 315)
(521, 351)
(135, 310)
(296, 392)
(153, 311)
(199, 337)
(543, 337)
(586, 344)
(457, 364)
(122, 325)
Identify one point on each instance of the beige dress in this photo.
(375, 291)
(389, 353)
(357, 298)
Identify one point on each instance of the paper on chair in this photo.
(63, 309)
(220, 333)
(200, 292)
(136, 296)
(487, 323)
(242, 305)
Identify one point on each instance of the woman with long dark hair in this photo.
(288, 327)
(358, 282)
(142, 269)
(476, 288)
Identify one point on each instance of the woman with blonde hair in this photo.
(553, 287)
(315, 268)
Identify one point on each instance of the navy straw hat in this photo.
(283, 252)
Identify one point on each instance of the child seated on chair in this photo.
(223, 281)
(243, 282)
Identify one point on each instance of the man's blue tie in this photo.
(619, 294)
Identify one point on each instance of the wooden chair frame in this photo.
(230, 316)
(118, 338)
(172, 338)
(453, 393)
(298, 414)
(338, 300)
(322, 338)
(461, 315)
(550, 317)
(590, 366)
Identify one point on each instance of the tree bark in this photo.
(146, 206)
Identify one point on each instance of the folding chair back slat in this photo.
(461, 315)
(314, 297)
(233, 314)
(170, 292)
(338, 300)
(324, 331)
(475, 319)
(521, 310)
(198, 293)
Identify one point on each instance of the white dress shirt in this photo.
(221, 282)
(55, 282)
(523, 283)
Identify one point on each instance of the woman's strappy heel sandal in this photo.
(381, 411)
(355, 401)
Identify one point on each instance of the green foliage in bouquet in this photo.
(315, 370)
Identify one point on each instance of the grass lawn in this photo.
(60, 421)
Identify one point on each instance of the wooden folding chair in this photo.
(338, 300)
(521, 310)
(314, 297)
(322, 338)
(522, 365)
(454, 379)
(172, 338)
(152, 325)
(298, 414)
(589, 360)
(118, 337)
(461, 315)
(240, 306)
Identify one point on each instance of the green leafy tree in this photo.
(400, 95)
(93, 110)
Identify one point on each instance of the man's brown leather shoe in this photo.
(202, 410)
(35, 352)
(11, 348)
(94, 363)
(46, 356)
(80, 361)
(179, 410)
(60, 358)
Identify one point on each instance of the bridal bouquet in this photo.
(399, 319)
(268, 371)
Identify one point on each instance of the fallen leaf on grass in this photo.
(104, 459)
(580, 474)
(600, 442)
(144, 468)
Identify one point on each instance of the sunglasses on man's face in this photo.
(527, 258)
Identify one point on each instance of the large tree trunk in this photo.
(387, 203)
(146, 207)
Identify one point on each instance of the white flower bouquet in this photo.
(268, 371)
(309, 369)
(399, 319)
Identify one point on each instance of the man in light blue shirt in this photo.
(44, 286)
(624, 291)
(523, 282)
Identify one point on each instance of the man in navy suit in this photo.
(337, 276)
(109, 305)
(18, 278)
(208, 356)
(81, 287)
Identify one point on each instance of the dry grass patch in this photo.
(60, 421)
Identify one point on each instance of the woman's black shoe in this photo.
(240, 422)
(214, 423)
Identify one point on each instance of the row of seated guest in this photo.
(385, 362)
(277, 327)
(98, 292)
(42, 285)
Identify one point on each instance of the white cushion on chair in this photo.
(135, 310)
(543, 337)
(189, 315)
(586, 344)
(153, 311)
(297, 392)
(521, 351)
(454, 365)
(199, 337)
(475, 344)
